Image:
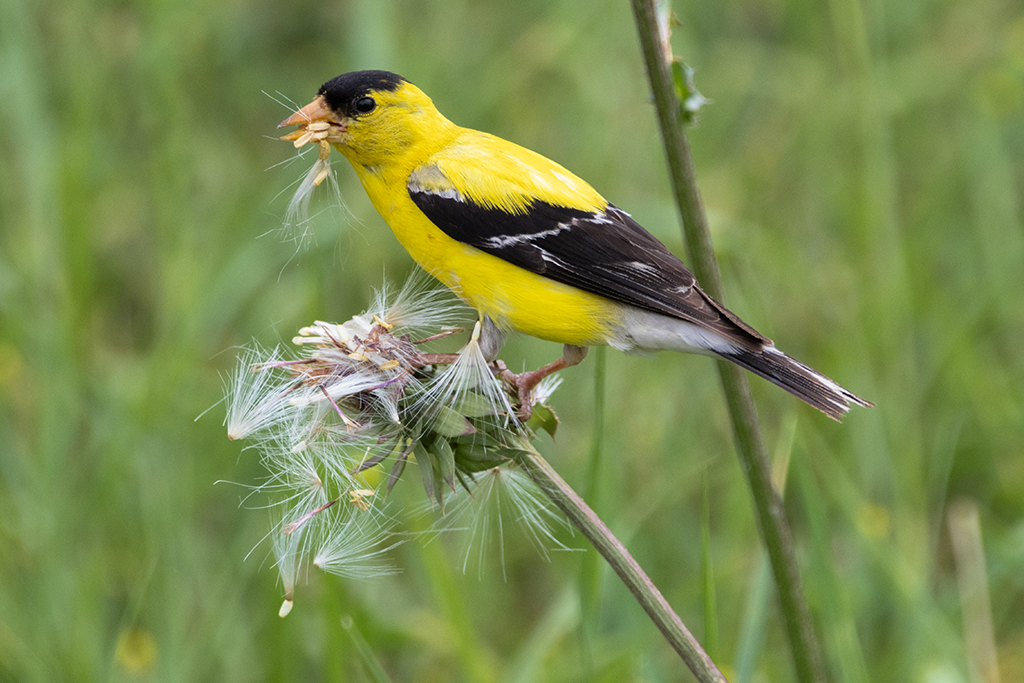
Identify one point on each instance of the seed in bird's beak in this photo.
(316, 123)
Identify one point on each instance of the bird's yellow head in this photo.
(373, 118)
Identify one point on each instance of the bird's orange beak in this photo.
(316, 112)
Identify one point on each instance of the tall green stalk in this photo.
(750, 444)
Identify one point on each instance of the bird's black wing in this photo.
(605, 253)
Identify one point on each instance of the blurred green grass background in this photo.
(861, 163)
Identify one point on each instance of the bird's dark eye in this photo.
(364, 105)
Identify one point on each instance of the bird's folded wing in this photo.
(579, 241)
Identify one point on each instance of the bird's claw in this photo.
(523, 383)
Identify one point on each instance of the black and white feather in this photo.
(605, 253)
(609, 254)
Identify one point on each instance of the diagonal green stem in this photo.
(646, 593)
(770, 512)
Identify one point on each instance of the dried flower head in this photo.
(365, 395)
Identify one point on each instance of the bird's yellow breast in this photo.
(409, 135)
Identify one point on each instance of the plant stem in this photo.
(750, 444)
(646, 593)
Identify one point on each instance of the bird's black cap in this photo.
(342, 91)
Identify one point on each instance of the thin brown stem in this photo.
(646, 593)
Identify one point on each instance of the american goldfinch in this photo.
(529, 245)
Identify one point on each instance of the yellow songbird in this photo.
(529, 245)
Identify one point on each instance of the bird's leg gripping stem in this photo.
(525, 382)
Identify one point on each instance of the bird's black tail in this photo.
(807, 384)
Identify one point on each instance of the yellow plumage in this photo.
(412, 137)
(528, 244)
